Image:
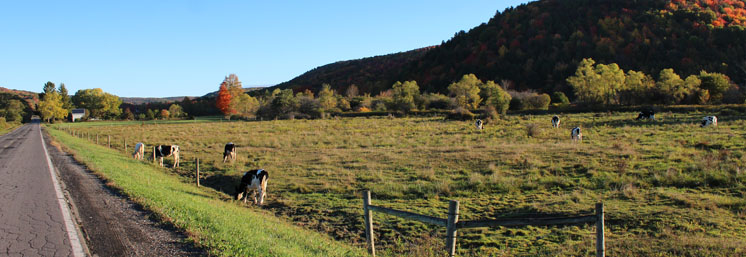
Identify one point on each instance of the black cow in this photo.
(648, 114)
(166, 151)
(229, 152)
(253, 179)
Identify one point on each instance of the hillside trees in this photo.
(12, 108)
(99, 103)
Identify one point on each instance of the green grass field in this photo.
(212, 221)
(670, 187)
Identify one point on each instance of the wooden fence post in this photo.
(96, 138)
(368, 223)
(451, 227)
(600, 246)
(197, 161)
(109, 140)
(125, 144)
(154, 155)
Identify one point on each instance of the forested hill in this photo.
(539, 44)
(372, 74)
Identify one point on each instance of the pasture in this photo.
(670, 188)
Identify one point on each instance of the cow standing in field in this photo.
(479, 124)
(139, 153)
(256, 180)
(576, 135)
(649, 114)
(555, 121)
(229, 152)
(709, 120)
(166, 151)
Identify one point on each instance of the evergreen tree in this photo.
(67, 103)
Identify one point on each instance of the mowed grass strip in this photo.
(222, 227)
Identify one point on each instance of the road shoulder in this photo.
(111, 224)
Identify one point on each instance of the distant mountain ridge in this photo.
(31, 98)
(539, 44)
(147, 100)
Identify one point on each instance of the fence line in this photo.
(453, 224)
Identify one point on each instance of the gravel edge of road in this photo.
(136, 226)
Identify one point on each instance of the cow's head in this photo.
(239, 193)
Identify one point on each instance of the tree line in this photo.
(607, 84)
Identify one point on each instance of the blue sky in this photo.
(177, 48)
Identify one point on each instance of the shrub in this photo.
(533, 130)
(517, 104)
(491, 112)
(560, 98)
(438, 101)
(461, 114)
(540, 102)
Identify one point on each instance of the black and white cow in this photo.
(139, 153)
(555, 121)
(256, 180)
(479, 124)
(166, 151)
(229, 152)
(709, 120)
(648, 114)
(576, 135)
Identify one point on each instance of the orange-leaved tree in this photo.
(224, 99)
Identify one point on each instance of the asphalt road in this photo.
(34, 216)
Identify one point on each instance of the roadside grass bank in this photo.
(7, 127)
(219, 225)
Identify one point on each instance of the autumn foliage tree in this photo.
(224, 100)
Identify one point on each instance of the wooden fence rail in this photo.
(452, 224)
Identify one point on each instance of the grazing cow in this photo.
(576, 135)
(229, 152)
(139, 153)
(648, 114)
(555, 121)
(709, 120)
(479, 124)
(253, 179)
(166, 151)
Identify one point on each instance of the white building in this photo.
(77, 114)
